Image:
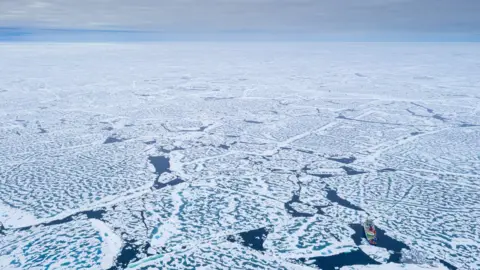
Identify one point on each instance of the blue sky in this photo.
(264, 20)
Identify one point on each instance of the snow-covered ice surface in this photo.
(248, 156)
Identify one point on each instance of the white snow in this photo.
(170, 227)
(379, 254)
(5, 263)
(13, 217)
(111, 243)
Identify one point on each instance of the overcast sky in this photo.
(255, 18)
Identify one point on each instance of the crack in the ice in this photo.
(389, 185)
(142, 214)
(418, 115)
(421, 106)
(381, 123)
(296, 199)
(333, 197)
(344, 160)
(200, 129)
(439, 117)
(448, 265)
(351, 171)
(401, 199)
(96, 214)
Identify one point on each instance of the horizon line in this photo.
(78, 35)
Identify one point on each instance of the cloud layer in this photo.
(288, 17)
